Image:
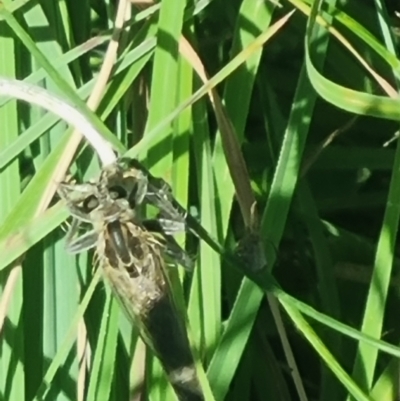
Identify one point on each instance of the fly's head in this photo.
(117, 191)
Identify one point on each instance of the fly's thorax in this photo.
(133, 265)
(128, 246)
(122, 250)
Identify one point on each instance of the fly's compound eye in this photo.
(117, 192)
(90, 203)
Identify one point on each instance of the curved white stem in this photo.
(41, 97)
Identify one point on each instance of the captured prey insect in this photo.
(132, 260)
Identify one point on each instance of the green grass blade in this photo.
(102, 371)
(68, 342)
(367, 357)
(11, 351)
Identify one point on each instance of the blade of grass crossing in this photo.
(19, 242)
(18, 218)
(134, 62)
(335, 324)
(61, 83)
(214, 81)
(354, 101)
(324, 353)
(35, 131)
(65, 59)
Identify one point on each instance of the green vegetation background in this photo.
(311, 97)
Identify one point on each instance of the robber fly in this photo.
(132, 258)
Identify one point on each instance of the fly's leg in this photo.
(160, 195)
(75, 196)
(80, 244)
(174, 251)
(172, 219)
(171, 247)
(83, 243)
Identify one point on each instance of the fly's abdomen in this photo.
(170, 343)
(161, 327)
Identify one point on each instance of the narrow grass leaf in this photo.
(12, 379)
(103, 367)
(367, 357)
(68, 342)
(234, 338)
(324, 353)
